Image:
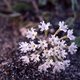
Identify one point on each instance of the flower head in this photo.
(33, 46)
(66, 63)
(61, 44)
(69, 35)
(52, 51)
(62, 27)
(43, 44)
(35, 57)
(46, 53)
(53, 39)
(49, 62)
(43, 67)
(31, 34)
(25, 59)
(62, 54)
(72, 48)
(57, 66)
(44, 26)
(24, 47)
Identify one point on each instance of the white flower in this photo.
(62, 54)
(54, 51)
(24, 47)
(33, 46)
(62, 26)
(43, 44)
(66, 63)
(46, 53)
(69, 35)
(25, 59)
(43, 67)
(53, 39)
(61, 44)
(31, 34)
(49, 62)
(51, 51)
(57, 66)
(72, 48)
(35, 57)
(44, 26)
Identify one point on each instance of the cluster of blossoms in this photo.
(53, 50)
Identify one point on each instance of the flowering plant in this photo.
(51, 52)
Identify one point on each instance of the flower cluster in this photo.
(53, 50)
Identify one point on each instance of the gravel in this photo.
(12, 68)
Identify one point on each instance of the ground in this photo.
(10, 36)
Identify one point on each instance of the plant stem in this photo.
(8, 5)
(57, 32)
(45, 34)
(48, 57)
(43, 61)
(64, 37)
(40, 51)
(60, 59)
(66, 47)
(36, 52)
(55, 58)
(37, 37)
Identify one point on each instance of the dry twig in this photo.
(8, 5)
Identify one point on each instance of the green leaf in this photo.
(75, 6)
(77, 41)
(21, 6)
(46, 16)
(69, 21)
